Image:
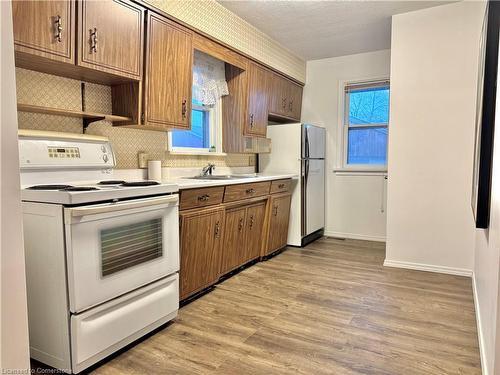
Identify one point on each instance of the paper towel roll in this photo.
(154, 170)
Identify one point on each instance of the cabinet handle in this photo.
(59, 28)
(203, 198)
(217, 230)
(251, 120)
(290, 106)
(281, 186)
(250, 191)
(184, 109)
(240, 224)
(93, 40)
(275, 210)
(283, 103)
(251, 221)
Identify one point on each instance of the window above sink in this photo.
(209, 85)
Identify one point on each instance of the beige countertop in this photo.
(189, 183)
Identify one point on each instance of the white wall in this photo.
(354, 202)
(434, 56)
(14, 352)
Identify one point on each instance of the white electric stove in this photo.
(102, 255)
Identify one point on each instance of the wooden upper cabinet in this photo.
(279, 214)
(110, 35)
(168, 74)
(277, 94)
(45, 28)
(200, 244)
(294, 101)
(258, 93)
(285, 97)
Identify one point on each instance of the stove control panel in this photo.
(58, 150)
(64, 152)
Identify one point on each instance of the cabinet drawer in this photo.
(193, 198)
(280, 186)
(244, 191)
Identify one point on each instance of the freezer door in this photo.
(313, 196)
(313, 142)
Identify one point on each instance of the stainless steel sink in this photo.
(220, 177)
(215, 177)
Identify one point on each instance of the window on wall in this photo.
(209, 85)
(204, 133)
(366, 125)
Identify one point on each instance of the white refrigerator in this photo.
(300, 149)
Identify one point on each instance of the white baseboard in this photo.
(428, 267)
(354, 236)
(480, 336)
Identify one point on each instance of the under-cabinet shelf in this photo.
(88, 117)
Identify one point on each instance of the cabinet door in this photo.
(277, 97)
(45, 28)
(285, 97)
(255, 230)
(258, 92)
(233, 254)
(168, 75)
(278, 222)
(110, 35)
(294, 104)
(200, 244)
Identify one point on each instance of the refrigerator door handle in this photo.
(305, 177)
(306, 141)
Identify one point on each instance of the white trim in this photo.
(428, 268)
(480, 335)
(195, 152)
(354, 236)
(359, 172)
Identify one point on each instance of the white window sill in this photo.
(200, 153)
(360, 172)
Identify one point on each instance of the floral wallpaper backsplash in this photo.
(57, 92)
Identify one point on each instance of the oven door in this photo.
(114, 248)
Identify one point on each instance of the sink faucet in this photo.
(208, 169)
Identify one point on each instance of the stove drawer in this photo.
(100, 331)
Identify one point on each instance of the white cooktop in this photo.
(102, 193)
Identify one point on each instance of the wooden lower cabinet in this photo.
(217, 240)
(243, 234)
(233, 253)
(256, 215)
(279, 214)
(201, 236)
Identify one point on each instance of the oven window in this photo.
(129, 245)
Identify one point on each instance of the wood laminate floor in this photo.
(329, 308)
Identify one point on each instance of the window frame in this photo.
(215, 128)
(344, 126)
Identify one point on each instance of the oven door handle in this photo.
(121, 206)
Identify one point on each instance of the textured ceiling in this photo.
(319, 29)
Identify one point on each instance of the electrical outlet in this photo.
(143, 158)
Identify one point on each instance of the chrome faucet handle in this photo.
(208, 169)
